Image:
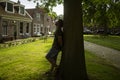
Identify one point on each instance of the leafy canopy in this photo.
(48, 4)
(100, 12)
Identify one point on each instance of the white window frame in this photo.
(7, 7)
(41, 25)
(38, 27)
(35, 28)
(38, 16)
(20, 10)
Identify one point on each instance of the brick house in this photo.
(15, 22)
(42, 23)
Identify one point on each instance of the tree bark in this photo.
(73, 66)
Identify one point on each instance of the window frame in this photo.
(20, 9)
(6, 7)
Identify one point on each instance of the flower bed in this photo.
(17, 42)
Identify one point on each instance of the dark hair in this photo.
(59, 23)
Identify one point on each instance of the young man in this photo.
(56, 46)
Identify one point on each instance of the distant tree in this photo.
(60, 16)
(113, 13)
(52, 14)
(89, 10)
(103, 13)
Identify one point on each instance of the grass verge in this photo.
(99, 69)
(108, 41)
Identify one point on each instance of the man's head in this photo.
(59, 23)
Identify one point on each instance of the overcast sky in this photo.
(58, 9)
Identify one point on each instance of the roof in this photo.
(17, 4)
(6, 1)
(33, 10)
(14, 16)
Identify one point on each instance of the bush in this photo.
(17, 42)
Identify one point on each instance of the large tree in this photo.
(72, 66)
(73, 54)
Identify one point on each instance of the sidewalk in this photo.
(109, 54)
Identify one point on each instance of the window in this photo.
(41, 29)
(38, 15)
(35, 28)
(4, 27)
(21, 27)
(38, 28)
(27, 28)
(16, 9)
(9, 7)
(41, 25)
(22, 11)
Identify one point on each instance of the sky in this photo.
(58, 9)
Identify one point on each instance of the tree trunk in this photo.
(73, 59)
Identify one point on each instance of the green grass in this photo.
(108, 41)
(99, 69)
(27, 62)
(24, 62)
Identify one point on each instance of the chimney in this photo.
(18, 2)
(37, 6)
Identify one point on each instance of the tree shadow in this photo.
(44, 76)
(1, 78)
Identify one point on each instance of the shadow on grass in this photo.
(44, 76)
(1, 78)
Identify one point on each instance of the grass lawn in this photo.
(27, 62)
(99, 69)
(108, 41)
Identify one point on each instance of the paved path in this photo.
(109, 54)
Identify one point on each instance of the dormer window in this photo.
(22, 10)
(9, 7)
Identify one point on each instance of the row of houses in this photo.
(17, 22)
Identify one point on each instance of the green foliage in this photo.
(52, 14)
(48, 4)
(60, 17)
(101, 12)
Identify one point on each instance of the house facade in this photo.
(15, 22)
(42, 23)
